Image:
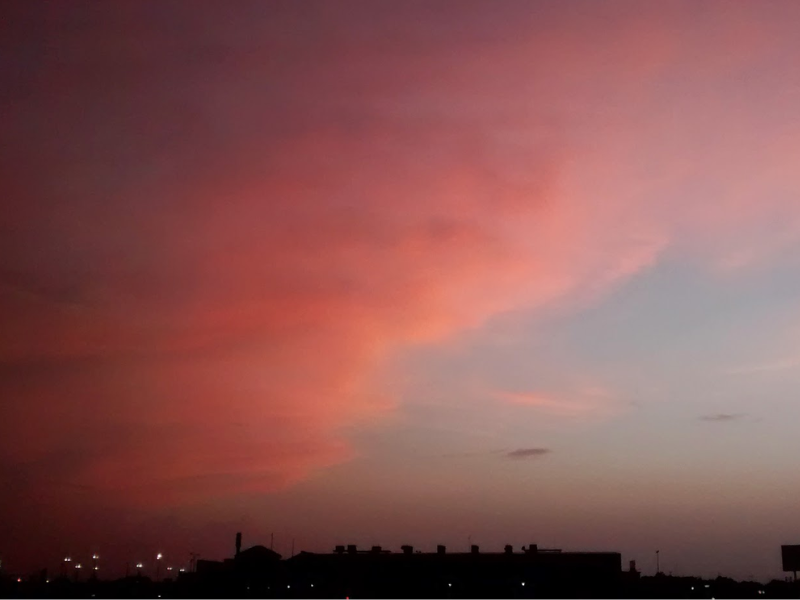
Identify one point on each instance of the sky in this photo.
(412, 272)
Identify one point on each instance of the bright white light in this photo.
(288, 586)
(158, 556)
(169, 568)
(78, 566)
(47, 581)
(19, 579)
(95, 556)
(139, 565)
(312, 585)
(449, 585)
(523, 584)
(96, 568)
(67, 559)
(181, 570)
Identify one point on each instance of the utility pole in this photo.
(658, 562)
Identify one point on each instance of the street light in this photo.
(159, 556)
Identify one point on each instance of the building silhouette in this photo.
(381, 573)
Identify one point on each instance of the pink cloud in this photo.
(589, 402)
(211, 246)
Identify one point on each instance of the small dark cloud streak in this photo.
(722, 417)
(528, 453)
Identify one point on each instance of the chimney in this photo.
(339, 549)
(509, 549)
(475, 549)
(352, 549)
(238, 543)
(633, 566)
(407, 549)
(440, 549)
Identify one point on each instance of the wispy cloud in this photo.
(528, 453)
(782, 364)
(590, 401)
(722, 417)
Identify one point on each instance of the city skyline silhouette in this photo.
(390, 273)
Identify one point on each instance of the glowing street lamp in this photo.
(64, 565)
(159, 556)
(139, 567)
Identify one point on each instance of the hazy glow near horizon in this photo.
(389, 272)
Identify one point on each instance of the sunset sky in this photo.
(415, 272)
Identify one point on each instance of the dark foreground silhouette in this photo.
(348, 572)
